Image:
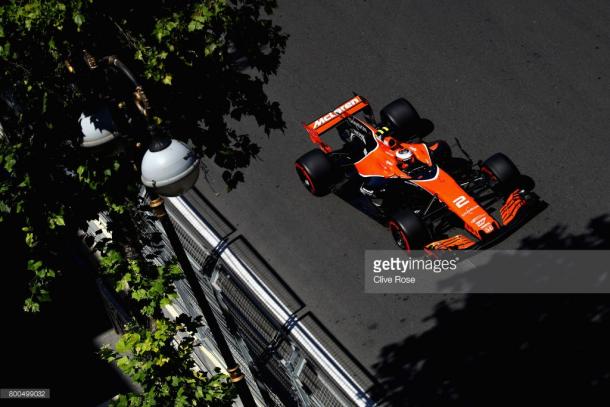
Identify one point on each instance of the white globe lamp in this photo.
(169, 167)
(97, 128)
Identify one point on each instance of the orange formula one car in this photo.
(428, 198)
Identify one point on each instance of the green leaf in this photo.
(4, 207)
(25, 182)
(167, 80)
(56, 220)
(123, 283)
(78, 19)
(29, 239)
(34, 265)
(5, 50)
(123, 363)
(210, 49)
(139, 294)
(121, 347)
(9, 163)
(31, 306)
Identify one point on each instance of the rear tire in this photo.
(408, 230)
(502, 172)
(316, 172)
(402, 116)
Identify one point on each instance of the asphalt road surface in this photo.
(530, 79)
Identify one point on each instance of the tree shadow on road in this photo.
(508, 349)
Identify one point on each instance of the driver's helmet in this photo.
(405, 156)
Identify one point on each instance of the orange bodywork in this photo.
(443, 186)
(324, 123)
(459, 242)
(382, 162)
(511, 207)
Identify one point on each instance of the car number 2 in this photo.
(460, 201)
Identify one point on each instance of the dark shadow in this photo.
(508, 349)
(597, 237)
(555, 262)
(55, 348)
(423, 128)
(349, 191)
(351, 363)
(249, 256)
(526, 182)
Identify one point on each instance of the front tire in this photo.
(316, 172)
(502, 173)
(408, 230)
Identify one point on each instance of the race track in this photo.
(530, 79)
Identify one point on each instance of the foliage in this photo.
(164, 367)
(157, 352)
(204, 64)
(149, 287)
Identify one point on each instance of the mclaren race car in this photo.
(429, 198)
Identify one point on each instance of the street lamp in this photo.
(97, 128)
(169, 168)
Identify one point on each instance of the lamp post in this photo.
(169, 168)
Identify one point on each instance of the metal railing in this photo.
(288, 357)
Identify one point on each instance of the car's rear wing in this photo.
(326, 122)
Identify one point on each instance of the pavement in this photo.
(530, 79)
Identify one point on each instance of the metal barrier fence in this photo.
(287, 356)
(289, 359)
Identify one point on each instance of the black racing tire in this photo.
(408, 230)
(316, 172)
(501, 171)
(401, 116)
